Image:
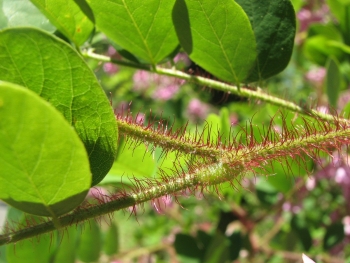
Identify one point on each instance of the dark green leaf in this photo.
(299, 225)
(334, 235)
(218, 250)
(68, 18)
(273, 23)
(187, 248)
(235, 245)
(42, 152)
(217, 35)
(144, 28)
(51, 68)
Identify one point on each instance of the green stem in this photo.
(231, 89)
(233, 163)
(201, 177)
(314, 135)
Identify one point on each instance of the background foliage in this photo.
(272, 216)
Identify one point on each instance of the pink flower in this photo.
(197, 109)
(142, 80)
(110, 68)
(161, 204)
(166, 93)
(183, 59)
(307, 16)
(316, 76)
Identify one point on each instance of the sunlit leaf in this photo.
(44, 168)
(51, 68)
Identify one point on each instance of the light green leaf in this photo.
(333, 82)
(324, 41)
(142, 27)
(133, 161)
(68, 17)
(22, 13)
(217, 35)
(51, 68)
(274, 25)
(44, 168)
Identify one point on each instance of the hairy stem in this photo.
(231, 89)
(145, 191)
(234, 161)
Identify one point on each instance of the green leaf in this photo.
(187, 249)
(51, 68)
(321, 44)
(143, 28)
(29, 251)
(67, 245)
(68, 17)
(218, 250)
(111, 240)
(341, 10)
(216, 35)
(90, 243)
(274, 25)
(225, 127)
(22, 13)
(334, 235)
(333, 82)
(299, 225)
(49, 181)
(133, 161)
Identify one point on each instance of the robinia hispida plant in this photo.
(58, 132)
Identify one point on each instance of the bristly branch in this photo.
(314, 135)
(247, 153)
(257, 94)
